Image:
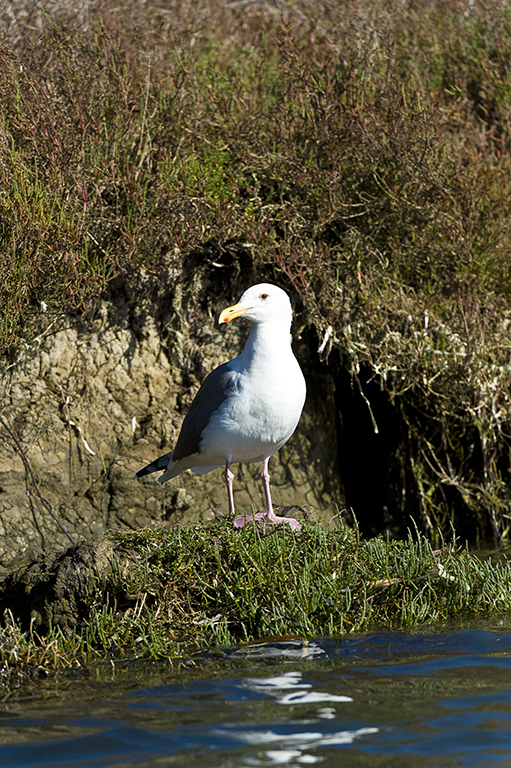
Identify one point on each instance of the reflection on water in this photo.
(379, 699)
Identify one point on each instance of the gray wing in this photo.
(216, 388)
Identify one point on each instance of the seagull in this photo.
(246, 408)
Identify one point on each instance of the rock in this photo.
(55, 589)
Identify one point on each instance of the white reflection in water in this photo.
(276, 683)
(293, 746)
(310, 697)
(283, 756)
(302, 740)
(288, 649)
(327, 713)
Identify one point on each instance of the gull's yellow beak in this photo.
(231, 312)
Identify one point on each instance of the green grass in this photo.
(173, 593)
(316, 583)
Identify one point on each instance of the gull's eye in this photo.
(263, 296)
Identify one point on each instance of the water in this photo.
(379, 699)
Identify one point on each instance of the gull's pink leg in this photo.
(229, 477)
(265, 477)
(269, 513)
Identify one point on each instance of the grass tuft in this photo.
(210, 586)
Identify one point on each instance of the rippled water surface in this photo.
(380, 699)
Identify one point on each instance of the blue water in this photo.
(379, 699)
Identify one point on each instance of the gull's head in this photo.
(263, 303)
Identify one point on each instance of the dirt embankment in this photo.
(94, 398)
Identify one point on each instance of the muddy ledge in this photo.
(93, 398)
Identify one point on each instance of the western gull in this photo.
(246, 408)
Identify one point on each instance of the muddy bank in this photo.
(93, 398)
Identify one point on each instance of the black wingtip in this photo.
(158, 465)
